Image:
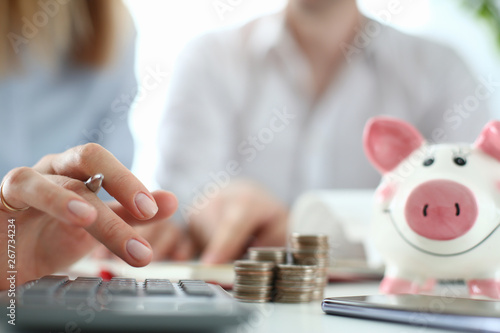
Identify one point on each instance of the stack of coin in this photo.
(254, 280)
(295, 283)
(275, 254)
(312, 250)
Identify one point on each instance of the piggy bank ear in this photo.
(489, 139)
(388, 141)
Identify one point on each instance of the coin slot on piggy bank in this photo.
(436, 210)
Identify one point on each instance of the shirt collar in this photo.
(270, 33)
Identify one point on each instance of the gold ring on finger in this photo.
(6, 205)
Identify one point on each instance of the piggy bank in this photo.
(436, 212)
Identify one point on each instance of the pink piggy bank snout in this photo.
(441, 210)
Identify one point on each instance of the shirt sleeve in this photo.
(123, 88)
(196, 130)
(117, 88)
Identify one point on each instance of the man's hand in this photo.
(241, 215)
(66, 220)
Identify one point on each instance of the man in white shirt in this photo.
(280, 103)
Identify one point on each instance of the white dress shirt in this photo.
(239, 105)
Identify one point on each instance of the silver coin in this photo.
(250, 299)
(309, 239)
(312, 262)
(310, 252)
(275, 254)
(309, 246)
(266, 275)
(251, 288)
(283, 267)
(318, 294)
(257, 265)
(253, 279)
(279, 298)
(295, 284)
(276, 260)
(270, 249)
(259, 295)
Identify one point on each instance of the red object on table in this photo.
(106, 275)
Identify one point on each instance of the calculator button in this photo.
(122, 286)
(89, 278)
(124, 280)
(197, 290)
(46, 286)
(157, 281)
(43, 291)
(159, 287)
(83, 287)
(191, 282)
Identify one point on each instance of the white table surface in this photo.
(270, 317)
(295, 318)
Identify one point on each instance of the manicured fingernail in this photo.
(81, 209)
(146, 206)
(138, 250)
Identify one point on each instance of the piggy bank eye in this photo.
(428, 161)
(460, 161)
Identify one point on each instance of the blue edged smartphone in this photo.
(463, 314)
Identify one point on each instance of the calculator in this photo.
(89, 304)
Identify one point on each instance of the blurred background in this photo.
(164, 27)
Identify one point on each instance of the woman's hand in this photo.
(242, 214)
(65, 220)
(168, 240)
